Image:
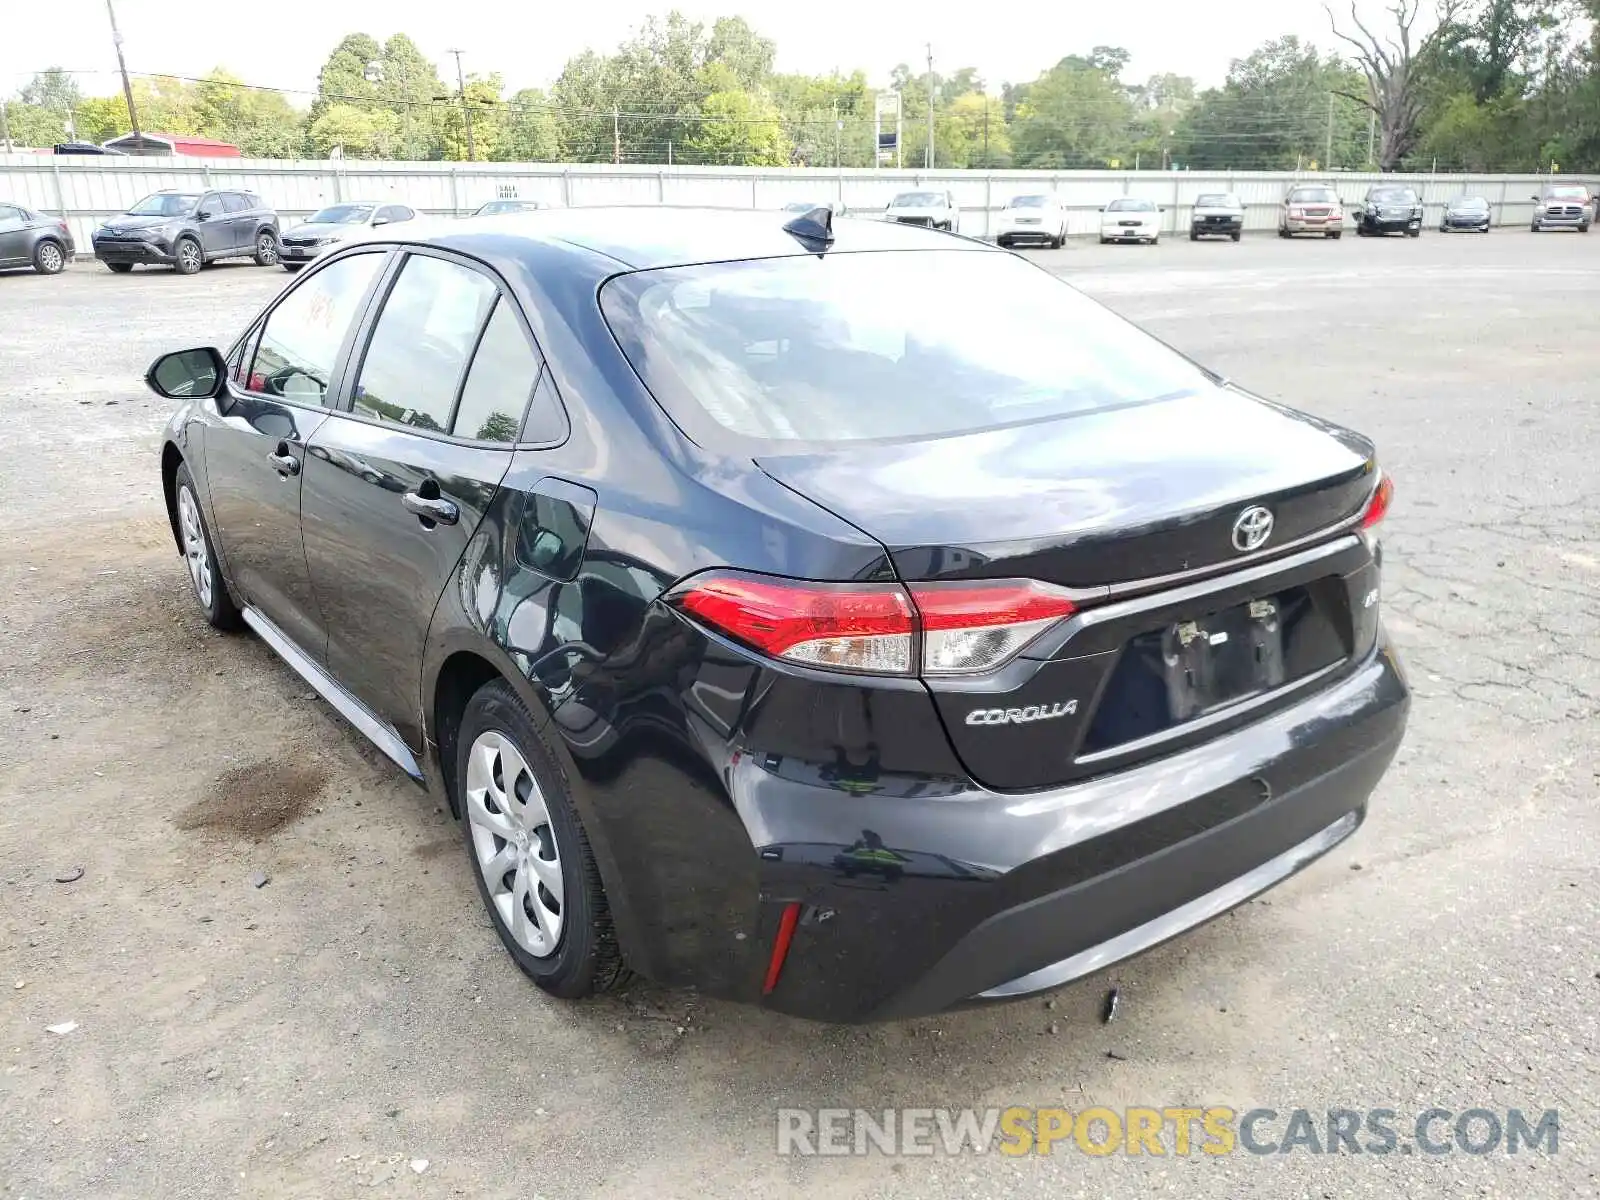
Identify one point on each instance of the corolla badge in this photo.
(1021, 716)
(1251, 529)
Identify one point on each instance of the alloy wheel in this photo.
(50, 259)
(267, 250)
(514, 844)
(189, 257)
(195, 552)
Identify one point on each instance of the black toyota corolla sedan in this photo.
(836, 616)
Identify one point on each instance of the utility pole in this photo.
(5, 127)
(930, 106)
(1327, 159)
(616, 134)
(127, 88)
(466, 109)
(986, 163)
(836, 133)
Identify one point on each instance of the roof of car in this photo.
(663, 236)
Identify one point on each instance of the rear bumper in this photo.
(922, 893)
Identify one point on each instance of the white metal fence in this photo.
(88, 190)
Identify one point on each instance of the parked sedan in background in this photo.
(937, 210)
(31, 239)
(1389, 209)
(1562, 206)
(831, 616)
(1216, 214)
(337, 223)
(1130, 219)
(1466, 213)
(1036, 219)
(1311, 208)
(187, 230)
(497, 208)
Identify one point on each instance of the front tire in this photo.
(200, 556)
(187, 257)
(1236, 234)
(49, 258)
(526, 845)
(266, 249)
(291, 267)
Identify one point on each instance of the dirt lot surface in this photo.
(354, 1018)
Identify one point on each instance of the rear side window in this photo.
(503, 373)
(424, 337)
(7, 213)
(396, 212)
(850, 347)
(302, 335)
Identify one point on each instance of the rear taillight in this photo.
(880, 629)
(1378, 506)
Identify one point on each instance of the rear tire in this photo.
(266, 249)
(120, 268)
(1283, 232)
(187, 257)
(522, 834)
(49, 258)
(291, 267)
(1236, 234)
(200, 554)
(1193, 236)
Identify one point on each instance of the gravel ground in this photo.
(324, 1034)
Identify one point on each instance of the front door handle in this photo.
(432, 508)
(286, 463)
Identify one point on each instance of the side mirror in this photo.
(188, 374)
(1533, 198)
(376, 221)
(202, 215)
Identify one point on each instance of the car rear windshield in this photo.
(1216, 200)
(165, 204)
(1029, 201)
(342, 214)
(852, 347)
(1312, 195)
(917, 200)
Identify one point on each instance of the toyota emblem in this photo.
(1251, 529)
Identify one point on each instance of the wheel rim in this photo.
(50, 257)
(514, 844)
(189, 256)
(267, 249)
(195, 552)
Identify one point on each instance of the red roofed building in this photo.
(172, 144)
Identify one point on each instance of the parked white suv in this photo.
(934, 209)
(1038, 218)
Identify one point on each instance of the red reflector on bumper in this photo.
(780, 946)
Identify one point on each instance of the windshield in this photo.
(342, 214)
(507, 206)
(165, 204)
(1393, 195)
(1127, 204)
(1029, 201)
(800, 206)
(1217, 200)
(1472, 203)
(917, 200)
(849, 347)
(1313, 195)
(1573, 191)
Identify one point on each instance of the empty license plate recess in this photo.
(1178, 672)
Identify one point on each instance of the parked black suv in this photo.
(1389, 209)
(186, 230)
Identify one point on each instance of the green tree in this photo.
(360, 132)
(531, 130)
(1076, 114)
(737, 127)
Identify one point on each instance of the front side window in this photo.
(165, 204)
(902, 344)
(210, 206)
(502, 377)
(421, 344)
(301, 339)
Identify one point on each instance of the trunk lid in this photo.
(1102, 498)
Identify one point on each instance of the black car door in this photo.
(241, 221)
(14, 239)
(255, 444)
(395, 486)
(213, 224)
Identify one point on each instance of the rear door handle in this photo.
(432, 508)
(286, 463)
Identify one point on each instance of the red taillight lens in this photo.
(1378, 507)
(852, 627)
(976, 626)
(960, 628)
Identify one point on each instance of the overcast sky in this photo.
(528, 43)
